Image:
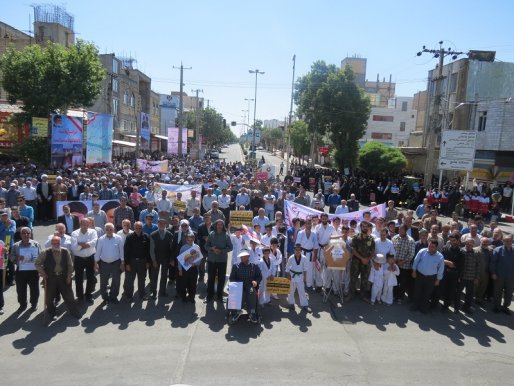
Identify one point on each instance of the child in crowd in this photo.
(391, 271)
(376, 277)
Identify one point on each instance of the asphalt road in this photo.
(167, 342)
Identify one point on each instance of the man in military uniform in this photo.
(363, 248)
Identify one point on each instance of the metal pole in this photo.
(181, 114)
(257, 72)
(290, 119)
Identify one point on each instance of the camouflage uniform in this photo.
(365, 245)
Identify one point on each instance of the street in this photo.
(167, 342)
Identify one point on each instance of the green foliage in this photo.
(375, 157)
(52, 78)
(33, 149)
(211, 126)
(332, 103)
(272, 137)
(300, 142)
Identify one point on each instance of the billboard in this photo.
(99, 138)
(67, 141)
(145, 132)
(173, 140)
(39, 127)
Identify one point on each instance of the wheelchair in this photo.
(232, 315)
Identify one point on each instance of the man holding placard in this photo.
(24, 254)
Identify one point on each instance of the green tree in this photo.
(33, 149)
(332, 103)
(375, 158)
(300, 142)
(211, 126)
(52, 78)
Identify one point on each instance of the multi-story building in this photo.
(474, 93)
(391, 125)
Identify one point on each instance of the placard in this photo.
(179, 205)
(235, 295)
(261, 176)
(278, 285)
(238, 218)
(336, 255)
(29, 256)
(190, 257)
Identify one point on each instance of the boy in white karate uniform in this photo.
(268, 270)
(391, 271)
(296, 270)
(376, 277)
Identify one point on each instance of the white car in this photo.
(214, 154)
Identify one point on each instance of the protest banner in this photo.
(278, 285)
(238, 218)
(66, 144)
(174, 189)
(261, 176)
(80, 208)
(152, 166)
(99, 138)
(292, 210)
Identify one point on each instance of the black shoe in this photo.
(54, 318)
(307, 309)
(21, 308)
(497, 310)
(80, 299)
(207, 300)
(89, 299)
(191, 299)
(153, 296)
(254, 318)
(104, 303)
(468, 311)
(507, 311)
(201, 279)
(33, 308)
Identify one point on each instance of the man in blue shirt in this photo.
(333, 201)
(427, 270)
(149, 226)
(25, 210)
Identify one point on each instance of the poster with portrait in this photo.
(173, 140)
(145, 132)
(67, 141)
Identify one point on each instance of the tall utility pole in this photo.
(290, 120)
(256, 72)
(248, 122)
(181, 108)
(209, 102)
(197, 123)
(435, 118)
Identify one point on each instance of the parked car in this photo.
(215, 154)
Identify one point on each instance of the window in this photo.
(125, 98)
(482, 120)
(453, 82)
(383, 118)
(114, 106)
(132, 100)
(402, 126)
(404, 106)
(115, 85)
(115, 66)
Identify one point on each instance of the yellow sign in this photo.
(179, 205)
(278, 285)
(39, 127)
(52, 178)
(241, 217)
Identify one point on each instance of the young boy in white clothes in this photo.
(296, 270)
(391, 271)
(376, 277)
(268, 270)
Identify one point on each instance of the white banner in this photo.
(293, 210)
(152, 166)
(174, 189)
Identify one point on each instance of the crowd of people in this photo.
(171, 245)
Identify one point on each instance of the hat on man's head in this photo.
(243, 252)
(379, 258)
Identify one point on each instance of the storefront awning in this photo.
(124, 143)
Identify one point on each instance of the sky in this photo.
(221, 40)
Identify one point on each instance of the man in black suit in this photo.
(160, 253)
(71, 221)
(73, 191)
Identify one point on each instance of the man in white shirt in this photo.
(309, 242)
(224, 204)
(207, 200)
(324, 231)
(109, 260)
(83, 246)
(192, 203)
(507, 197)
(164, 207)
(124, 231)
(29, 192)
(383, 245)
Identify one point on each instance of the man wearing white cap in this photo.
(250, 275)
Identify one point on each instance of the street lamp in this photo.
(256, 72)
(248, 116)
